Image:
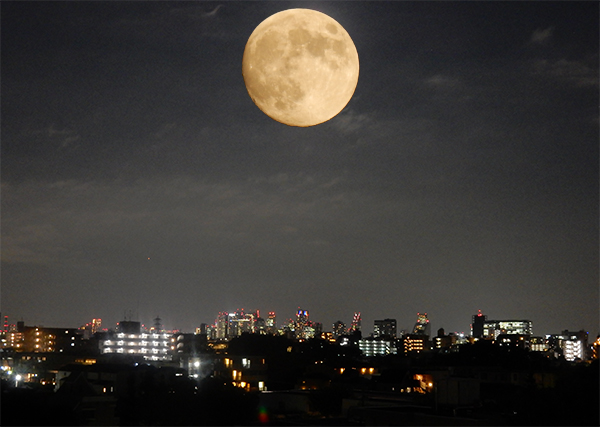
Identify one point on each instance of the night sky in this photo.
(139, 179)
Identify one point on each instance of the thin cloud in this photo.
(62, 137)
(349, 121)
(578, 73)
(541, 36)
(440, 81)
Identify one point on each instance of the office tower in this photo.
(260, 326)
(96, 325)
(254, 322)
(477, 322)
(384, 328)
(222, 325)
(493, 328)
(422, 326)
(339, 328)
(302, 325)
(240, 323)
(356, 323)
(271, 323)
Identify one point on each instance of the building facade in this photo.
(385, 328)
(377, 347)
(493, 328)
(129, 340)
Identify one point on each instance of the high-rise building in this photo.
(356, 323)
(241, 322)
(96, 325)
(339, 329)
(493, 328)
(202, 329)
(477, 322)
(260, 326)
(572, 345)
(222, 325)
(303, 327)
(422, 326)
(384, 328)
(271, 323)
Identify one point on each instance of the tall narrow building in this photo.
(422, 326)
(477, 322)
(356, 323)
(271, 323)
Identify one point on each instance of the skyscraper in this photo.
(222, 325)
(96, 325)
(356, 323)
(240, 322)
(384, 328)
(422, 326)
(338, 329)
(302, 326)
(271, 323)
(477, 323)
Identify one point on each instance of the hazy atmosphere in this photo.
(139, 178)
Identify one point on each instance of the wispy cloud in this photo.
(440, 81)
(349, 121)
(62, 137)
(541, 36)
(579, 73)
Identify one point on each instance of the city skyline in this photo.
(281, 322)
(139, 176)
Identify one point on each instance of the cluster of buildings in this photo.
(157, 344)
(97, 361)
(230, 325)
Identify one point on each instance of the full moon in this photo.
(300, 67)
